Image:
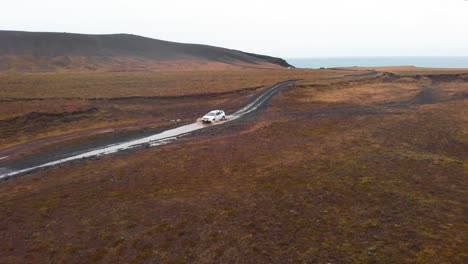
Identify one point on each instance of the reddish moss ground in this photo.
(368, 171)
(48, 106)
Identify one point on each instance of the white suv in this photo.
(213, 116)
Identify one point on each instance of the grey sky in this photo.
(288, 28)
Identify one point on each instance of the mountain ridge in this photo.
(49, 51)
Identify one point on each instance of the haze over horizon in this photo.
(297, 28)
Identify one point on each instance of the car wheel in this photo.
(223, 118)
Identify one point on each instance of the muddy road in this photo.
(108, 144)
(125, 141)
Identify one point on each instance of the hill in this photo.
(44, 52)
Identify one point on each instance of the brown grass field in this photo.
(91, 85)
(73, 64)
(359, 170)
(42, 106)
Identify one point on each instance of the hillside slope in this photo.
(42, 52)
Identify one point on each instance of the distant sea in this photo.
(430, 62)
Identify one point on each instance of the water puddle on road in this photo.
(154, 140)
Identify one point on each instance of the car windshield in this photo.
(210, 114)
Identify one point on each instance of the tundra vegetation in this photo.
(354, 170)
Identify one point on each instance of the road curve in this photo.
(37, 161)
(62, 155)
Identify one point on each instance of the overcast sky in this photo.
(287, 28)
